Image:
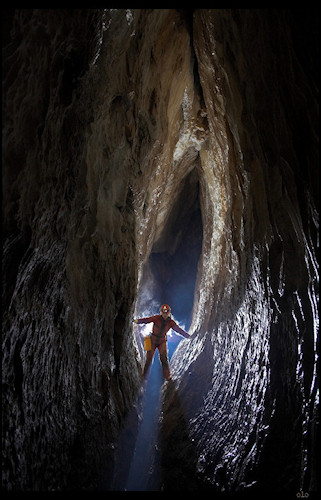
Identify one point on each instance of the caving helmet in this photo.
(165, 308)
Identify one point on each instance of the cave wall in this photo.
(106, 113)
(257, 313)
(92, 116)
(69, 265)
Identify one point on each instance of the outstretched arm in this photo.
(145, 320)
(179, 330)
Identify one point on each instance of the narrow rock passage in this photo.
(135, 140)
(144, 473)
(135, 466)
(142, 453)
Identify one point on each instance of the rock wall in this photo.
(251, 391)
(69, 258)
(111, 118)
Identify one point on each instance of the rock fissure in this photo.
(154, 156)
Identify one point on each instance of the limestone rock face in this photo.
(258, 288)
(146, 151)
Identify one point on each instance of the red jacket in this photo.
(169, 323)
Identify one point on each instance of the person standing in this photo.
(162, 323)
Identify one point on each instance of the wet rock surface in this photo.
(139, 144)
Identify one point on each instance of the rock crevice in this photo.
(150, 156)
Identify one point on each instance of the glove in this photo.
(135, 321)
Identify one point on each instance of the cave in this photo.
(160, 156)
(169, 275)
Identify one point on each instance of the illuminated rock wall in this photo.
(248, 381)
(111, 119)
